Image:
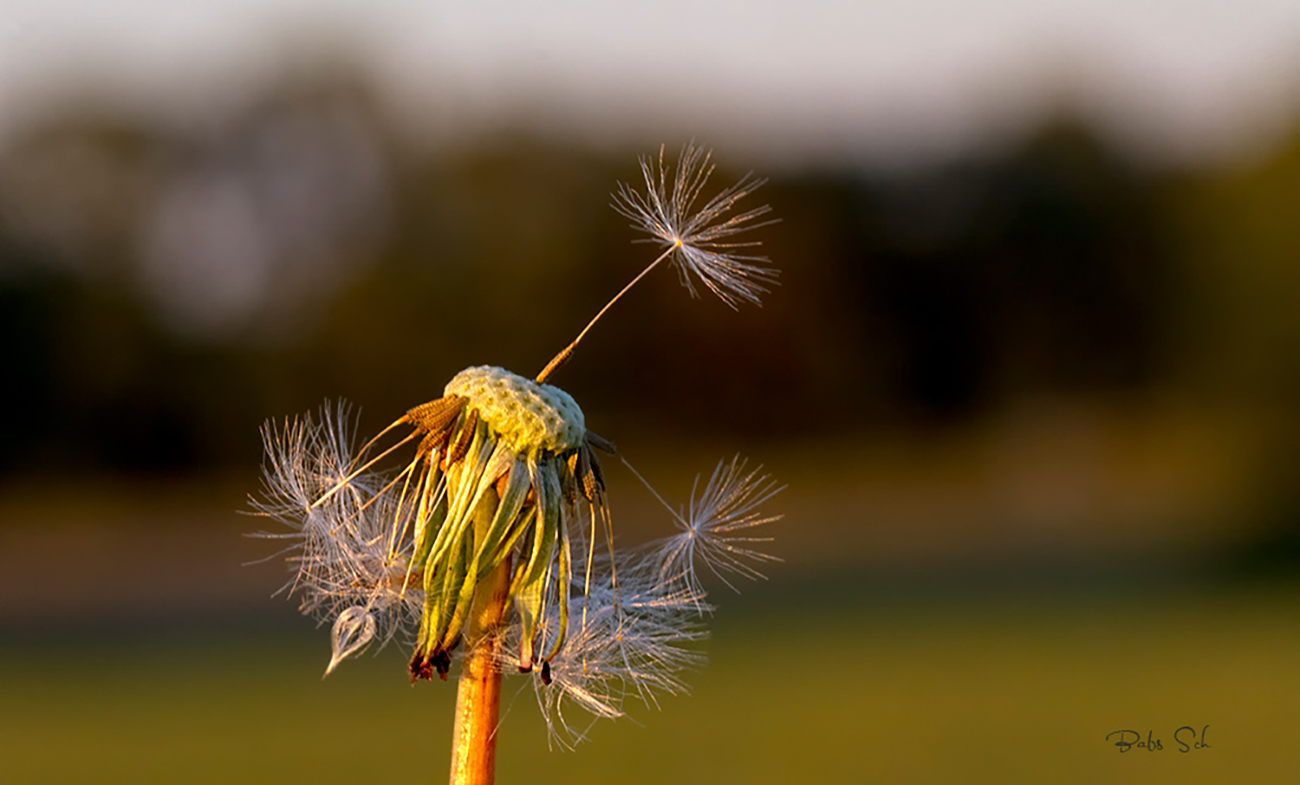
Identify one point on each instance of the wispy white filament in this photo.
(341, 547)
(353, 629)
(702, 241)
(714, 530)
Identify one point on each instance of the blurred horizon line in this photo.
(1232, 113)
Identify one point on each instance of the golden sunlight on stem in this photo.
(478, 699)
(560, 358)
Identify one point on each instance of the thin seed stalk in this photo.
(478, 697)
(564, 354)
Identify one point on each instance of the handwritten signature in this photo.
(1185, 737)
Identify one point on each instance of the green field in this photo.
(985, 691)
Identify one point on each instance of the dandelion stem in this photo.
(478, 698)
(560, 358)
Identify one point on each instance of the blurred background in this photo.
(1032, 374)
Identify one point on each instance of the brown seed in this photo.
(601, 443)
(434, 441)
(436, 415)
(586, 474)
(598, 476)
(460, 445)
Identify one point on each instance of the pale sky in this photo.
(803, 79)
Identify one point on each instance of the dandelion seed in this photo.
(700, 242)
(353, 629)
(714, 529)
(694, 240)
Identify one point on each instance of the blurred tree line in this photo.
(163, 290)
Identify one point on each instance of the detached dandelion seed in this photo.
(700, 242)
(481, 545)
(715, 527)
(694, 241)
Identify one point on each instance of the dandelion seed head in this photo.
(703, 241)
(528, 414)
(482, 540)
(377, 555)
